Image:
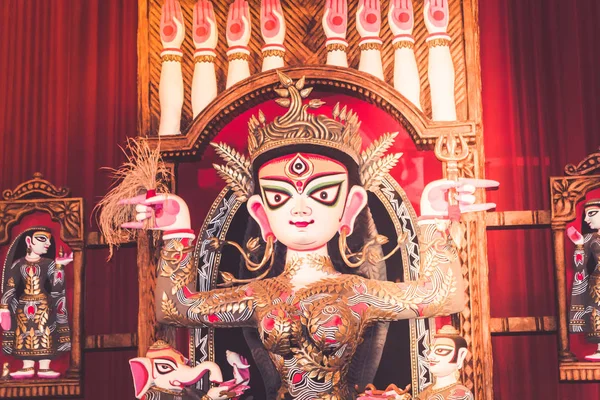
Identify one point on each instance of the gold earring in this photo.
(29, 250)
(252, 246)
(457, 375)
(366, 253)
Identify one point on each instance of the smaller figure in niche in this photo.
(446, 357)
(584, 316)
(33, 307)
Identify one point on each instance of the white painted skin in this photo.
(592, 217)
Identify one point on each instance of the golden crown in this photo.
(448, 330)
(298, 126)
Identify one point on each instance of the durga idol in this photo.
(305, 184)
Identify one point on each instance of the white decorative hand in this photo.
(401, 17)
(368, 18)
(238, 24)
(437, 16)
(272, 22)
(5, 320)
(205, 33)
(170, 212)
(172, 28)
(335, 19)
(575, 236)
(434, 200)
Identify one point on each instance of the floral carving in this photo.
(67, 212)
(37, 186)
(566, 192)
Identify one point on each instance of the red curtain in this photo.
(540, 81)
(68, 75)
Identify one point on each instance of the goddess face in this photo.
(592, 217)
(39, 242)
(443, 359)
(305, 200)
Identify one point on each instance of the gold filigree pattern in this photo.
(588, 166)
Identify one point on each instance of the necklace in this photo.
(318, 263)
(443, 388)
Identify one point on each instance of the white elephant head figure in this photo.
(165, 368)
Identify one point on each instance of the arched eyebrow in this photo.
(285, 179)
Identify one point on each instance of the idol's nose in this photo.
(301, 209)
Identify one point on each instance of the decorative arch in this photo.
(259, 88)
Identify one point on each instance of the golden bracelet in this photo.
(438, 42)
(238, 56)
(3, 306)
(336, 47)
(204, 59)
(370, 46)
(579, 247)
(403, 44)
(273, 53)
(171, 57)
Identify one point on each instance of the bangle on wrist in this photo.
(205, 58)
(238, 53)
(370, 46)
(171, 57)
(336, 47)
(579, 247)
(273, 50)
(403, 44)
(438, 39)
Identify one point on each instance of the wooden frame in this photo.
(39, 195)
(302, 59)
(565, 192)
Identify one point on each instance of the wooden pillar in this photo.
(147, 284)
(75, 367)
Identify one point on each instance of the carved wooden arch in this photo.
(259, 88)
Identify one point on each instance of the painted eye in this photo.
(41, 239)
(592, 213)
(163, 368)
(327, 195)
(442, 352)
(276, 199)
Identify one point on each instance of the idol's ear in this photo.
(141, 372)
(256, 208)
(28, 241)
(462, 354)
(356, 201)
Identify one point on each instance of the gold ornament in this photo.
(298, 126)
(171, 58)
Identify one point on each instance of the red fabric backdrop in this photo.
(540, 82)
(68, 96)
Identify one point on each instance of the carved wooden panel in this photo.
(305, 43)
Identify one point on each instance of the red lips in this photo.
(302, 224)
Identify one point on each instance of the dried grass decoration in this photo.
(143, 172)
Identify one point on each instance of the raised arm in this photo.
(440, 287)
(170, 87)
(406, 73)
(176, 301)
(238, 35)
(335, 25)
(368, 24)
(205, 35)
(272, 29)
(441, 67)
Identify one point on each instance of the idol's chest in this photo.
(322, 318)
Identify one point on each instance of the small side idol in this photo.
(33, 307)
(585, 296)
(446, 358)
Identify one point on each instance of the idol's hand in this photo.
(272, 23)
(436, 15)
(434, 200)
(368, 18)
(5, 319)
(238, 24)
(335, 19)
(401, 17)
(205, 33)
(172, 29)
(64, 259)
(170, 212)
(575, 236)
